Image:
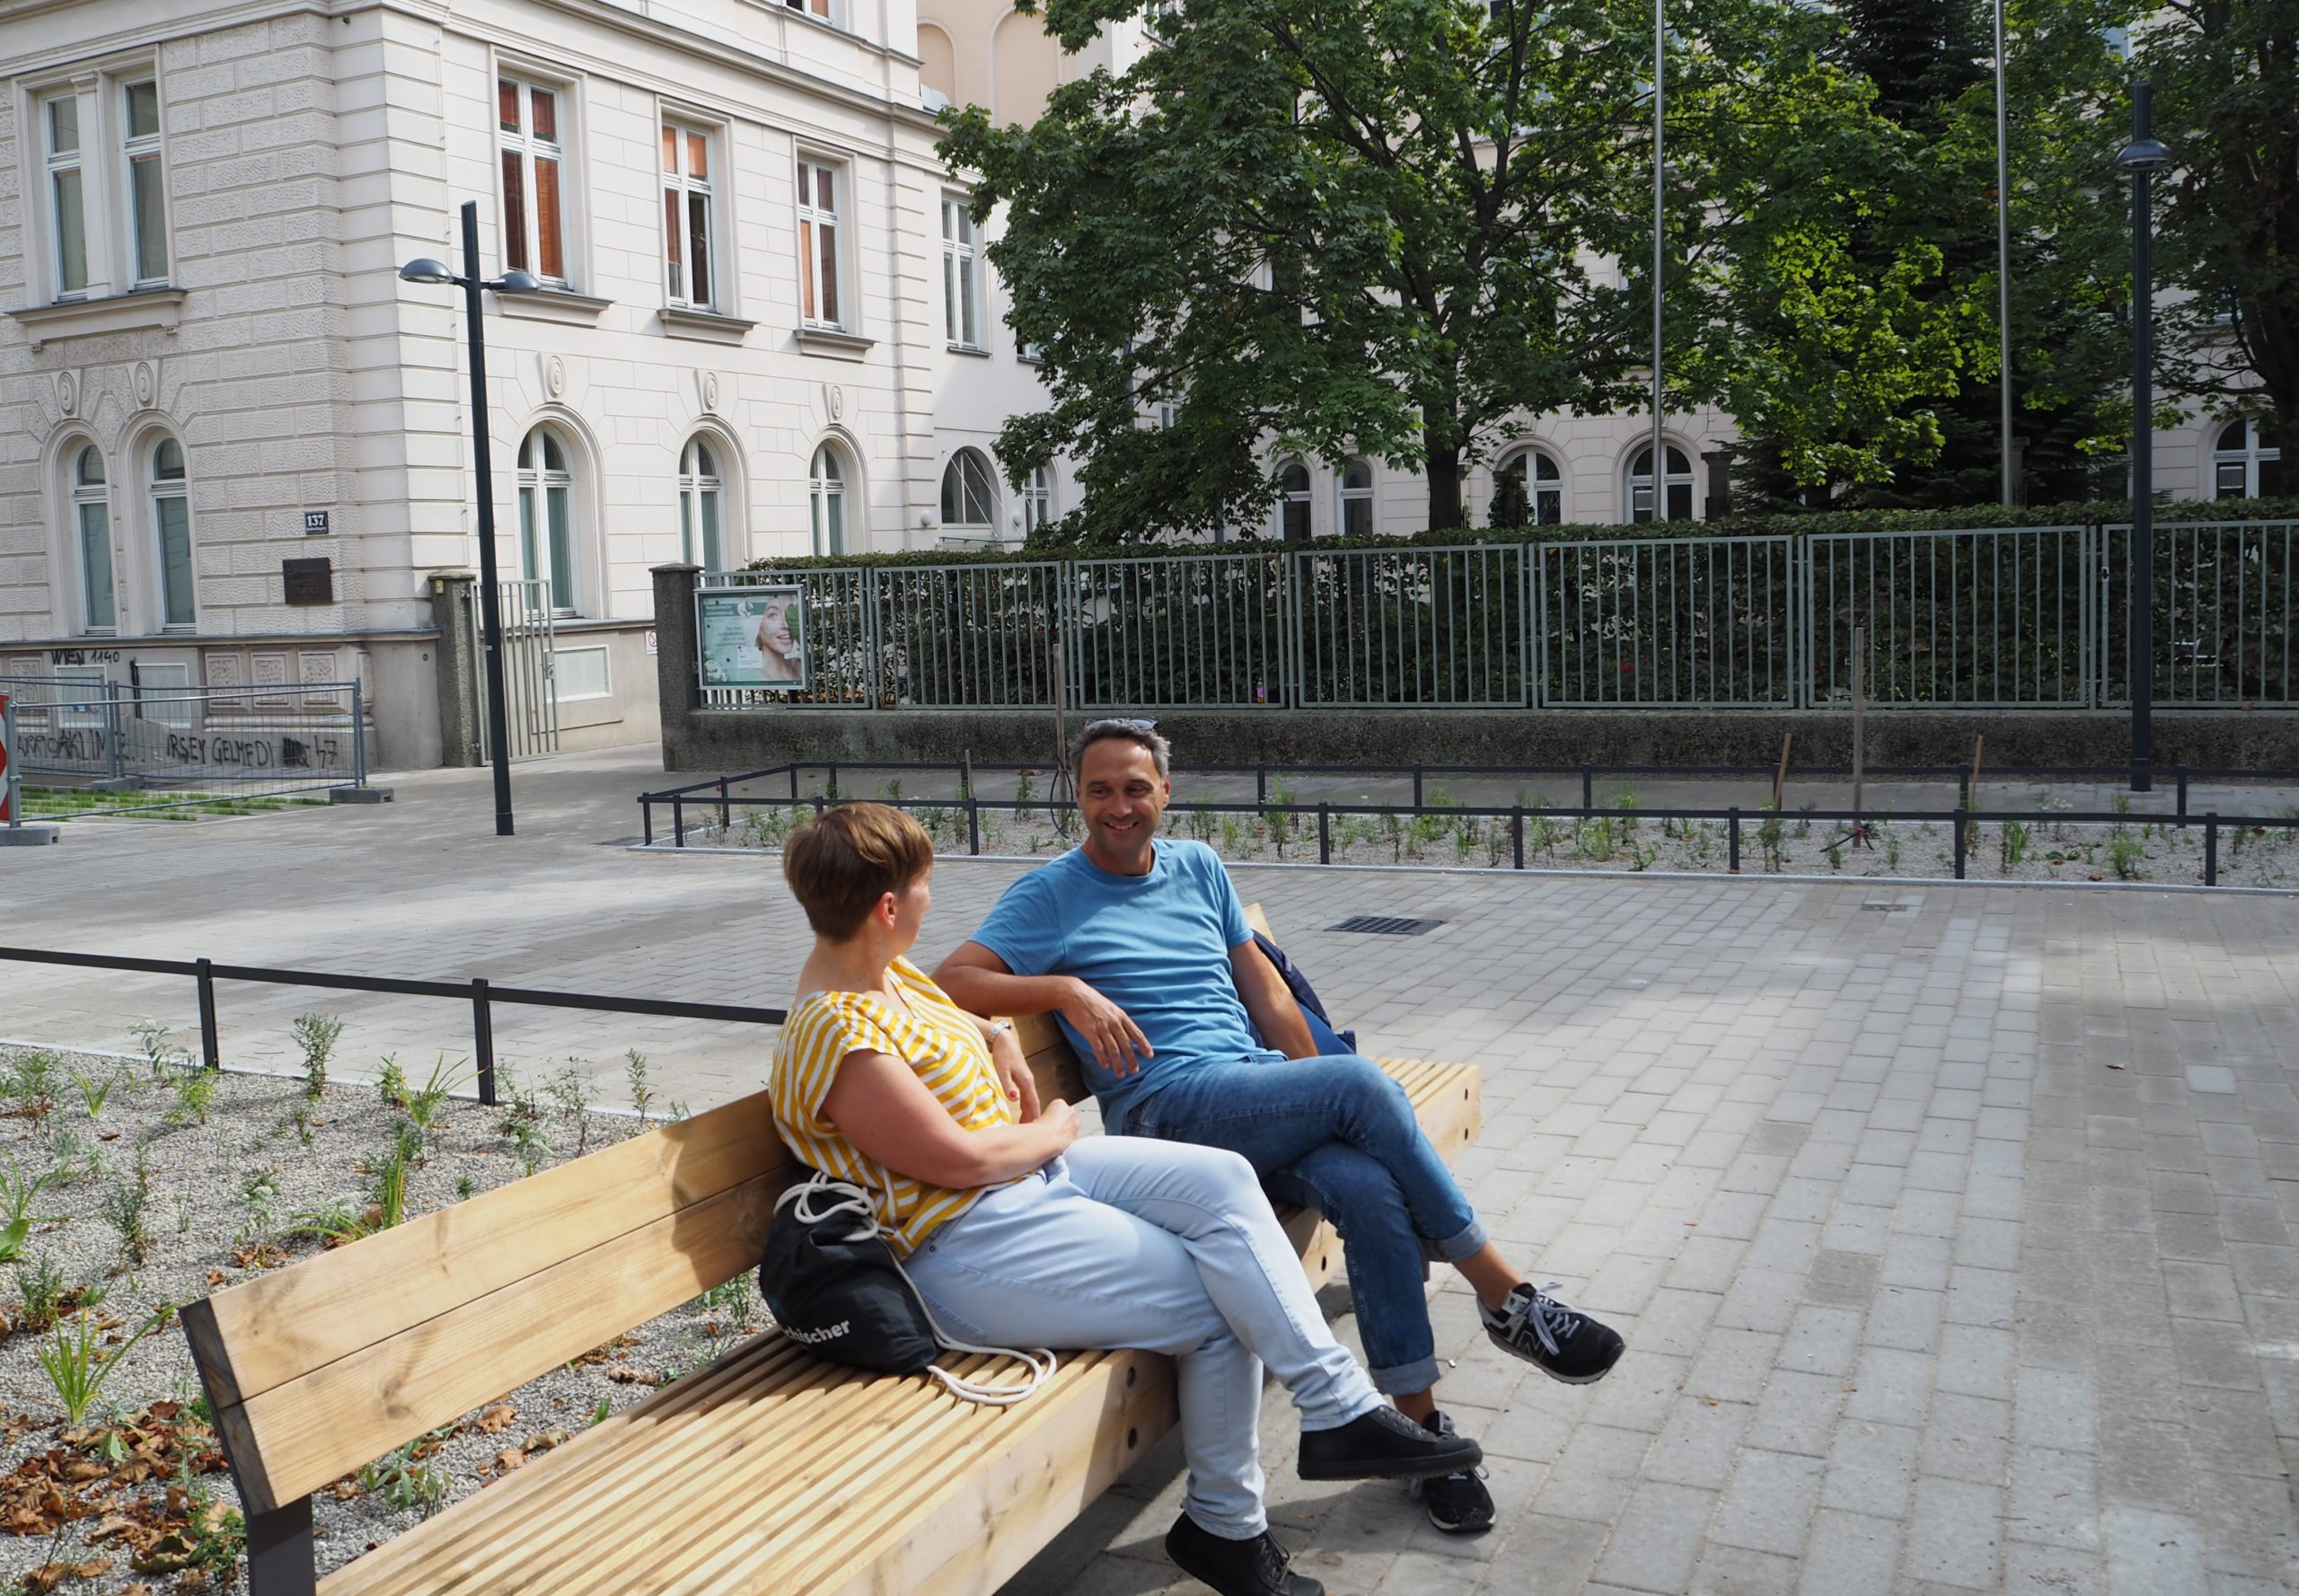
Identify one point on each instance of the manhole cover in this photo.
(1386, 925)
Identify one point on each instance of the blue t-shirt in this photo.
(1158, 946)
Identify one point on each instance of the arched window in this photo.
(92, 530)
(1527, 491)
(1678, 486)
(547, 520)
(1356, 499)
(968, 500)
(1293, 503)
(702, 507)
(171, 534)
(1037, 499)
(826, 500)
(2242, 467)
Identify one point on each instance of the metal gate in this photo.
(530, 671)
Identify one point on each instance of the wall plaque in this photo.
(314, 521)
(309, 581)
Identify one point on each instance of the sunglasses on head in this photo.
(1127, 722)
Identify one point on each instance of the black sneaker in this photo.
(1458, 1503)
(1385, 1445)
(1565, 1343)
(1255, 1567)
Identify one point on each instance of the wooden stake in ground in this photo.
(1780, 777)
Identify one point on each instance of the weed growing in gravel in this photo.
(406, 1482)
(19, 1191)
(390, 1083)
(528, 1141)
(41, 1285)
(570, 1091)
(77, 1156)
(463, 1188)
(163, 1056)
(124, 1211)
(1772, 837)
(30, 1085)
(335, 1225)
(95, 1094)
(2015, 842)
(79, 1368)
(642, 1096)
(195, 1092)
(427, 1107)
(258, 1204)
(316, 1035)
(299, 1115)
(2126, 853)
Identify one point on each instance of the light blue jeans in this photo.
(1127, 1242)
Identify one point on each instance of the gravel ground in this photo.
(2142, 850)
(225, 1184)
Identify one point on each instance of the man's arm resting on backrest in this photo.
(978, 979)
(1270, 1002)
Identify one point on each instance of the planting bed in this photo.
(175, 1182)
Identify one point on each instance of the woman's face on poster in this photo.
(774, 628)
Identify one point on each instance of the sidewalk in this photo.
(1951, 1226)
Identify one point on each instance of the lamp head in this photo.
(2143, 154)
(516, 281)
(426, 270)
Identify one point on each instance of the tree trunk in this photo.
(1442, 471)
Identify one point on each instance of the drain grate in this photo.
(1386, 925)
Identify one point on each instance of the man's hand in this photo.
(1108, 1028)
(1014, 1074)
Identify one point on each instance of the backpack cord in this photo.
(845, 1197)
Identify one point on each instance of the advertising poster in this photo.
(752, 636)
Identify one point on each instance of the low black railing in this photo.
(478, 992)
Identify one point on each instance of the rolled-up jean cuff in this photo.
(1453, 1249)
(1405, 1379)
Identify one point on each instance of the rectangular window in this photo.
(818, 257)
(528, 135)
(582, 672)
(147, 185)
(173, 514)
(163, 693)
(689, 229)
(95, 566)
(67, 211)
(819, 8)
(961, 270)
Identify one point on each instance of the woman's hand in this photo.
(1059, 1121)
(1021, 1087)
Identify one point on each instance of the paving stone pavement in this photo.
(1951, 1229)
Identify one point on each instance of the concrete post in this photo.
(454, 596)
(677, 685)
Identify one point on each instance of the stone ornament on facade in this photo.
(147, 383)
(67, 393)
(271, 671)
(710, 393)
(318, 667)
(554, 377)
(834, 400)
(223, 670)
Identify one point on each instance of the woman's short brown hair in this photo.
(840, 865)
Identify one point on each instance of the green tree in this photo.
(2226, 81)
(1329, 227)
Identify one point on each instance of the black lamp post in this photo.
(2142, 158)
(490, 608)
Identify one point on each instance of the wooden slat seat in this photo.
(770, 1471)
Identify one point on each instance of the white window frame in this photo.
(53, 165)
(158, 492)
(958, 463)
(1631, 480)
(827, 11)
(1521, 465)
(2249, 457)
(1290, 498)
(700, 490)
(538, 560)
(819, 294)
(136, 149)
(1346, 496)
(171, 703)
(524, 250)
(565, 673)
(827, 499)
(687, 193)
(1037, 499)
(79, 498)
(961, 276)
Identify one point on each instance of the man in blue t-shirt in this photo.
(1187, 1032)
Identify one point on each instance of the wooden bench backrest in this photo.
(315, 1370)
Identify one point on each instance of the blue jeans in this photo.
(1120, 1243)
(1338, 1134)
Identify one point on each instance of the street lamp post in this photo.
(491, 607)
(2143, 157)
(2004, 265)
(1659, 256)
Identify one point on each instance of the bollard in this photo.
(973, 822)
(1732, 841)
(1960, 845)
(1325, 834)
(2211, 848)
(482, 1033)
(1588, 785)
(211, 1052)
(1517, 833)
(678, 823)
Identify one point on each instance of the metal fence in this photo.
(179, 744)
(1978, 618)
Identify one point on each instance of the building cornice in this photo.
(146, 309)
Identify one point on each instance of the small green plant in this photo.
(163, 1056)
(76, 1366)
(732, 1299)
(1229, 835)
(390, 1207)
(390, 1083)
(890, 790)
(41, 1285)
(642, 1096)
(1804, 820)
(336, 1222)
(528, 1141)
(1892, 847)
(600, 1413)
(2126, 854)
(316, 1035)
(407, 1144)
(124, 1209)
(404, 1481)
(427, 1107)
(31, 1084)
(2015, 843)
(1772, 837)
(19, 1191)
(299, 1115)
(95, 1094)
(570, 1091)
(1025, 789)
(77, 1156)
(258, 1204)
(195, 1092)
(463, 1188)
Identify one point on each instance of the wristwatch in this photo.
(998, 1027)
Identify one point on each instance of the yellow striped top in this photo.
(937, 1039)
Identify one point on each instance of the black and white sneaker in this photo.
(1457, 1504)
(1255, 1567)
(1563, 1342)
(1382, 1443)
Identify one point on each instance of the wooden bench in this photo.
(769, 1471)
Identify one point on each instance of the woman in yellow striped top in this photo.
(1016, 1231)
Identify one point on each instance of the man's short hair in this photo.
(840, 865)
(1141, 734)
